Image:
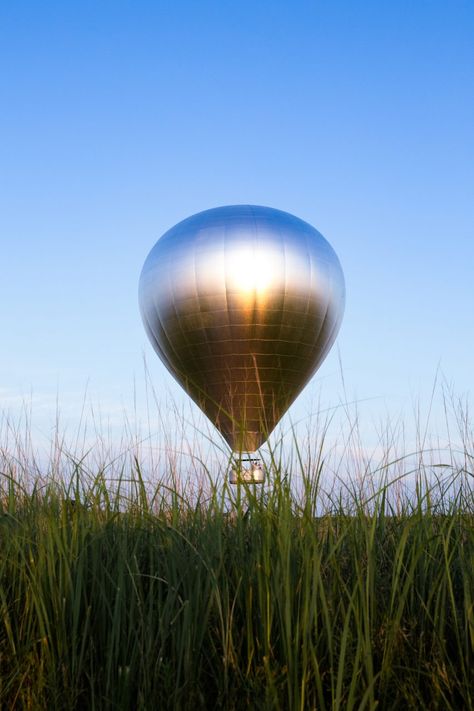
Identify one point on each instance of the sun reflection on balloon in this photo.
(252, 272)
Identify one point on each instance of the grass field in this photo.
(118, 593)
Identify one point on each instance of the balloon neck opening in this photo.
(247, 470)
(242, 440)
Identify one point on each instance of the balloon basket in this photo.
(250, 473)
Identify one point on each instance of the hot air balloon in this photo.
(242, 303)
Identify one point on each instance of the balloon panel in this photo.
(242, 304)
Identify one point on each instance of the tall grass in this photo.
(121, 593)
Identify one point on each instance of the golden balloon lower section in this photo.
(246, 382)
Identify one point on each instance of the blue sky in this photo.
(119, 119)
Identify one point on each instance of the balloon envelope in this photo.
(242, 304)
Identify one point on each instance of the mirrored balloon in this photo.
(242, 303)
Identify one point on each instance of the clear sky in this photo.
(118, 119)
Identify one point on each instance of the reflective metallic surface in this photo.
(242, 303)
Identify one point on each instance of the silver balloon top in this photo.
(242, 304)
